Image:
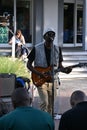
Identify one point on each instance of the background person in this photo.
(77, 97)
(19, 42)
(43, 57)
(76, 117)
(25, 117)
(23, 82)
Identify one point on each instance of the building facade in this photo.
(67, 17)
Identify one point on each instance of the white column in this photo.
(85, 25)
(14, 20)
(60, 22)
(50, 18)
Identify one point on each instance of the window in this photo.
(23, 19)
(68, 23)
(79, 23)
(6, 17)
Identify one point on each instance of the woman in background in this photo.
(19, 40)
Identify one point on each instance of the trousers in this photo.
(46, 95)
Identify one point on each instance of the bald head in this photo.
(20, 97)
(77, 97)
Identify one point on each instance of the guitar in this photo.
(38, 81)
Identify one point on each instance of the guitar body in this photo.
(37, 80)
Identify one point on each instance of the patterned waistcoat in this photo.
(40, 57)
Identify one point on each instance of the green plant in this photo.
(13, 65)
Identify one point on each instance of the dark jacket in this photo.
(75, 118)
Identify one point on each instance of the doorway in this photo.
(73, 23)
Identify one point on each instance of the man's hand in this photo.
(66, 70)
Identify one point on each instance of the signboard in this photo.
(3, 35)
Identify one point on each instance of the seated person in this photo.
(19, 40)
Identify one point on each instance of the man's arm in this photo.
(30, 65)
(66, 70)
(31, 58)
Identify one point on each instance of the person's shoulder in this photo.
(39, 44)
(68, 112)
(13, 37)
(75, 109)
(81, 105)
(56, 48)
(7, 116)
(22, 36)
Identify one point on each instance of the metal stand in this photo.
(52, 48)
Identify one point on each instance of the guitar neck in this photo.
(73, 66)
(61, 69)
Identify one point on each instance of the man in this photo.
(44, 56)
(76, 117)
(25, 117)
(77, 97)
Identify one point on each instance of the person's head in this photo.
(18, 33)
(22, 82)
(20, 97)
(77, 97)
(49, 35)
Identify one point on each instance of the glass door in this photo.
(24, 18)
(73, 23)
(68, 23)
(79, 23)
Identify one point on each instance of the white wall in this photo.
(50, 18)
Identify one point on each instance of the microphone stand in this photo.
(52, 49)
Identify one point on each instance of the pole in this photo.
(52, 79)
